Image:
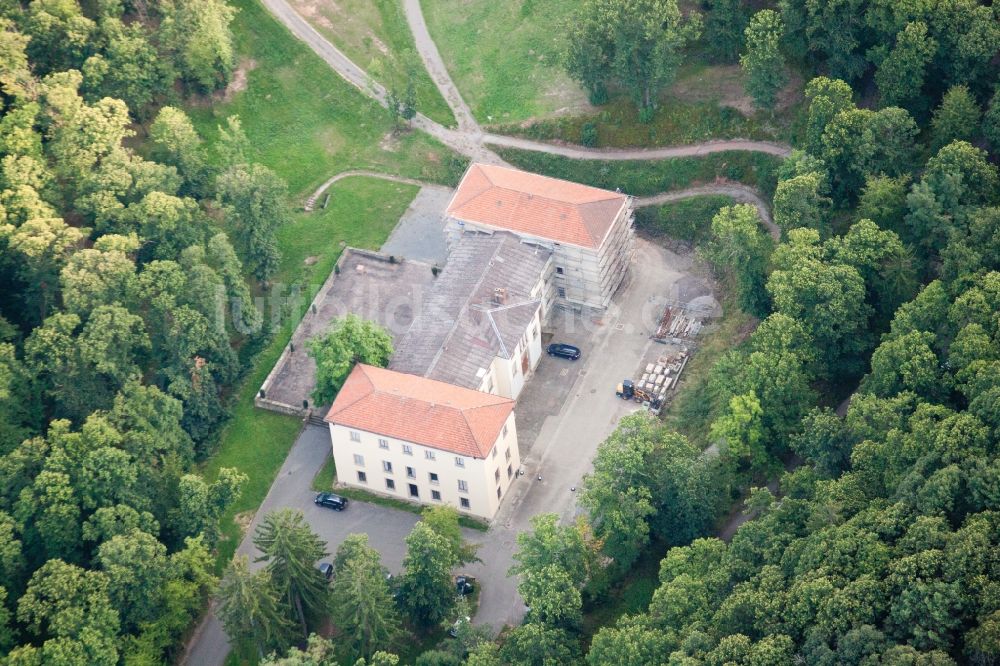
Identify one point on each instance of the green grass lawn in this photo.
(361, 213)
(645, 177)
(375, 35)
(503, 56)
(705, 102)
(688, 220)
(305, 122)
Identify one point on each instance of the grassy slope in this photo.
(504, 58)
(503, 55)
(641, 178)
(688, 220)
(374, 34)
(361, 213)
(307, 123)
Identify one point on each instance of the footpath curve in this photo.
(741, 193)
(311, 201)
(692, 150)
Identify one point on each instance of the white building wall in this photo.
(479, 475)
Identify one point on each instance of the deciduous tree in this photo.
(903, 69)
(763, 65)
(799, 202)
(254, 200)
(68, 611)
(349, 340)
(197, 34)
(635, 43)
(740, 245)
(553, 597)
(428, 593)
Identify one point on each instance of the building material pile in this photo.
(661, 376)
(677, 324)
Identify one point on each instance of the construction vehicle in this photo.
(626, 390)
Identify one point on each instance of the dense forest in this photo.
(880, 542)
(130, 255)
(125, 317)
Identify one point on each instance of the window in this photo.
(463, 487)
(355, 436)
(433, 477)
(429, 455)
(496, 474)
(359, 460)
(411, 473)
(494, 454)
(559, 270)
(407, 449)
(387, 466)
(498, 492)
(464, 501)
(413, 490)
(383, 443)
(562, 292)
(510, 471)
(534, 332)
(390, 484)
(436, 495)
(489, 386)
(507, 455)
(362, 477)
(504, 429)
(459, 461)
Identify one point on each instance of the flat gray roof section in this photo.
(479, 308)
(369, 285)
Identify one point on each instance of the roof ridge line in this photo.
(465, 305)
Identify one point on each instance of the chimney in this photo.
(499, 296)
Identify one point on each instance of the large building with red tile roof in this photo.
(424, 440)
(588, 230)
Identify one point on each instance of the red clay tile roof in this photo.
(545, 207)
(419, 410)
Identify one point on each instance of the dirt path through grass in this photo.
(741, 193)
(311, 201)
(436, 68)
(692, 150)
(469, 139)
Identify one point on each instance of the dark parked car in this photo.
(464, 585)
(563, 350)
(325, 569)
(331, 501)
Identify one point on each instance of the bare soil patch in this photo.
(239, 81)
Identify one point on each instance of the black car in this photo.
(325, 570)
(464, 585)
(564, 351)
(331, 501)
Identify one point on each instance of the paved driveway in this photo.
(420, 233)
(588, 412)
